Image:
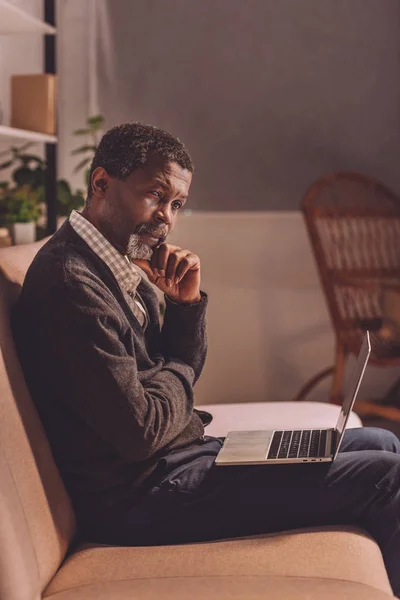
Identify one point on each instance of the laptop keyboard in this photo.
(307, 443)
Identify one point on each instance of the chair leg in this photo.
(311, 383)
(371, 409)
(338, 375)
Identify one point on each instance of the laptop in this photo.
(298, 445)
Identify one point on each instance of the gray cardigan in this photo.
(113, 398)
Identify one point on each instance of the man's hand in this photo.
(174, 271)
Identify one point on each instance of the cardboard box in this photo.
(33, 102)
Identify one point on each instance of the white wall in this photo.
(76, 68)
(268, 94)
(269, 329)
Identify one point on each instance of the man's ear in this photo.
(99, 181)
(102, 184)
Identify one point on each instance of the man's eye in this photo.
(158, 194)
(177, 205)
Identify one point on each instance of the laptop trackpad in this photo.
(245, 447)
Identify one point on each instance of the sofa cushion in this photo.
(328, 554)
(14, 263)
(235, 587)
(273, 415)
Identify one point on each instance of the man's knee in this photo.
(382, 439)
(358, 475)
(371, 438)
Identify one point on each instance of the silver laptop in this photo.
(298, 445)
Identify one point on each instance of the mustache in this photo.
(153, 230)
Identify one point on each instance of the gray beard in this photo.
(136, 249)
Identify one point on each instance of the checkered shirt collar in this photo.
(123, 270)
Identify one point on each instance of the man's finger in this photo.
(185, 265)
(172, 263)
(174, 260)
(162, 254)
(183, 268)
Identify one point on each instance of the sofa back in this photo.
(37, 523)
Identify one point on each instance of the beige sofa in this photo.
(40, 559)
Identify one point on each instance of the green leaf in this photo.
(24, 176)
(38, 177)
(82, 132)
(77, 200)
(64, 186)
(85, 148)
(66, 201)
(21, 205)
(87, 176)
(96, 121)
(82, 164)
(63, 196)
(41, 194)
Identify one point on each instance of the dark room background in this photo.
(267, 94)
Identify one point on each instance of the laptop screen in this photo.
(352, 388)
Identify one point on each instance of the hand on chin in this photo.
(175, 271)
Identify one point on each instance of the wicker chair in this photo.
(354, 227)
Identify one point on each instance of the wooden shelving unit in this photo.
(15, 21)
(29, 136)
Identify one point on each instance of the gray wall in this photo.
(267, 94)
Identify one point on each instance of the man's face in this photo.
(139, 212)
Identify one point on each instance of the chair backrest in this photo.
(37, 523)
(354, 226)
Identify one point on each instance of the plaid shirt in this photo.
(124, 271)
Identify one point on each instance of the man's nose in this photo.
(164, 215)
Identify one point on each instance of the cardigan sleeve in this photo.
(100, 380)
(184, 333)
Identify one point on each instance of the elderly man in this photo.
(115, 390)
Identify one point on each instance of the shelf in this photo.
(14, 20)
(30, 136)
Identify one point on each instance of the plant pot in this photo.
(24, 233)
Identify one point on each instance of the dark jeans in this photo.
(194, 500)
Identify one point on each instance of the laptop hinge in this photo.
(334, 441)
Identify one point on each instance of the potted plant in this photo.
(19, 210)
(20, 199)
